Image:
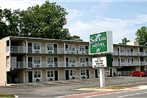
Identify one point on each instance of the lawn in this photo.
(4, 95)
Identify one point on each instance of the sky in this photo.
(85, 17)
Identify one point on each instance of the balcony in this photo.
(134, 63)
(71, 64)
(143, 63)
(86, 64)
(82, 52)
(17, 49)
(43, 50)
(18, 64)
(115, 53)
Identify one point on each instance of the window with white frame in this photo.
(36, 46)
(37, 61)
(82, 48)
(69, 48)
(37, 76)
(71, 62)
(72, 74)
(50, 48)
(50, 61)
(82, 60)
(83, 72)
(50, 75)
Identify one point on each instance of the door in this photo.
(55, 48)
(56, 75)
(66, 62)
(67, 74)
(87, 73)
(96, 73)
(55, 62)
(30, 62)
(29, 47)
(30, 78)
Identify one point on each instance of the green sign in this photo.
(100, 43)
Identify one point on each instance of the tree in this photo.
(125, 40)
(142, 35)
(46, 21)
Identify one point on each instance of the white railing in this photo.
(134, 63)
(23, 49)
(23, 64)
(18, 49)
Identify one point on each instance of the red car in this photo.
(138, 73)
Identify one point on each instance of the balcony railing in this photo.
(43, 50)
(129, 53)
(134, 63)
(23, 64)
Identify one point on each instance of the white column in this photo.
(102, 77)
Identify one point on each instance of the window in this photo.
(50, 73)
(37, 61)
(50, 60)
(83, 72)
(82, 48)
(37, 76)
(82, 60)
(36, 46)
(49, 47)
(72, 60)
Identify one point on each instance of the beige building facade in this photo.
(28, 59)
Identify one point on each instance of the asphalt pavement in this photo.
(56, 89)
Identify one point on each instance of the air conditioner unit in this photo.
(50, 52)
(37, 51)
(37, 66)
(50, 79)
(50, 65)
(37, 80)
(83, 65)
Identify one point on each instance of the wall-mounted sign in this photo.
(101, 43)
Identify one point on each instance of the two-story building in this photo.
(30, 59)
(27, 59)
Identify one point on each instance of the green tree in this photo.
(142, 35)
(46, 21)
(125, 40)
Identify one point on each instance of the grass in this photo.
(4, 95)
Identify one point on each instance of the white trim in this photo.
(36, 50)
(47, 78)
(37, 77)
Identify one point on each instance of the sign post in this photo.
(101, 45)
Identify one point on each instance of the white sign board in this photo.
(99, 62)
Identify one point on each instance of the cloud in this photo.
(21, 4)
(120, 27)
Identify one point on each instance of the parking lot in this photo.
(60, 88)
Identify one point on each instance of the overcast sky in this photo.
(87, 17)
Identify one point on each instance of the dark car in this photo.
(138, 73)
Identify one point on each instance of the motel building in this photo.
(30, 59)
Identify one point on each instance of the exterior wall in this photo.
(3, 65)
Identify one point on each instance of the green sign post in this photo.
(101, 43)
